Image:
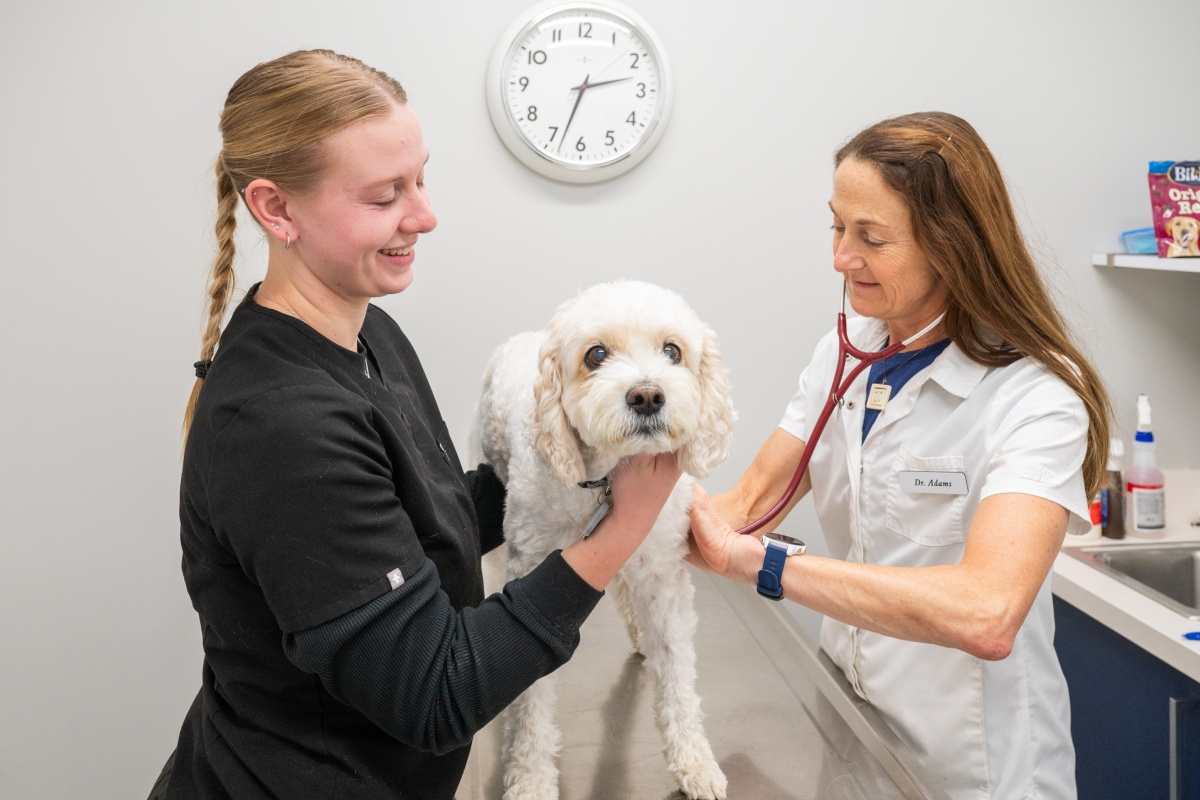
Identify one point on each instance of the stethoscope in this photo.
(836, 392)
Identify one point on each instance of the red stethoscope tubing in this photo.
(837, 391)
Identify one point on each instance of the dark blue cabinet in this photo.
(1135, 720)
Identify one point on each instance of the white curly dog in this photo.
(622, 368)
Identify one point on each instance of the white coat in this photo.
(984, 729)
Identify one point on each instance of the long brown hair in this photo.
(963, 221)
(275, 121)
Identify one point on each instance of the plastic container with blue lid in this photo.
(1140, 241)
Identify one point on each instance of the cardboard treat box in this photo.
(1175, 203)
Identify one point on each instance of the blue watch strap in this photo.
(770, 577)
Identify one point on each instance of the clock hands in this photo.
(586, 85)
(581, 88)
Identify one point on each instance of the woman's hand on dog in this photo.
(640, 487)
(716, 547)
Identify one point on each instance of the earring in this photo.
(275, 226)
(288, 245)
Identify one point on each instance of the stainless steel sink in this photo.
(1168, 573)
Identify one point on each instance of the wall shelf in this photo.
(1129, 260)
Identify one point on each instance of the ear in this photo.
(714, 433)
(553, 437)
(268, 204)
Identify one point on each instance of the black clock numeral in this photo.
(632, 118)
(608, 138)
(531, 114)
(580, 146)
(525, 83)
(634, 63)
(537, 57)
(553, 131)
(614, 38)
(641, 90)
(585, 30)
(556, 35)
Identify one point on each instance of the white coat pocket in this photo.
(926, 517)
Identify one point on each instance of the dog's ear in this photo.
(554, 439)
(714, 432)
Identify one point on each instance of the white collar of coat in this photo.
(952, 370)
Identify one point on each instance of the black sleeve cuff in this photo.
(488, 495)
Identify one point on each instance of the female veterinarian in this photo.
(331, 541)
(947, 478)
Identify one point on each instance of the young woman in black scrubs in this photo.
(331, 540)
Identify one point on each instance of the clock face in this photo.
(579, 92)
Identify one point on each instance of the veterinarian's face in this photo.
(357, 228)
(887, 276)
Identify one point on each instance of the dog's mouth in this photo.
(648, 428)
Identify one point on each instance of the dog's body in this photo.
(623, 368)
(1185, 233)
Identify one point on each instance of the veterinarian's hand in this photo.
(716, 547)
(640, 488)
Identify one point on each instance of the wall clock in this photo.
(579, 91)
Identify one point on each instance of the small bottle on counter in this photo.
(1112, 496)
(1144, 484)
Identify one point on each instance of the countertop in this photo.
(782, 721)
(1143, 621)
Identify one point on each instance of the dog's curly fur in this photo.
(550, 417)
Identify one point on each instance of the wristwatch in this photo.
(770, 577)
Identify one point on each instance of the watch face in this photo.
(579, 92)
(796, 545)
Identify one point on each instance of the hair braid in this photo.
(276, 119)
(221, 280)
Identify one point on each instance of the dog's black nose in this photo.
(645, 399)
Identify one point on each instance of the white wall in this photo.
(108, 136)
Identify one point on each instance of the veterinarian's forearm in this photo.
(764, 482)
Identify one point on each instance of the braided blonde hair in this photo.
(275, 121)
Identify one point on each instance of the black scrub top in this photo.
(309, 490)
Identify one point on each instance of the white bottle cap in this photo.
(1116, 453)
(1143, 412)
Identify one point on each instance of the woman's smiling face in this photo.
(357, 227)
(887, 276)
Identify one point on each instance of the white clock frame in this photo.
(518, 142)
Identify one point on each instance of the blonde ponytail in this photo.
(221, 282)
(276, 118)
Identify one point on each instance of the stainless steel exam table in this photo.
(782, 720)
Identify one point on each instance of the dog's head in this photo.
(1183, 230)
(628, 368)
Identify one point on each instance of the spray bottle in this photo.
(1145, 498)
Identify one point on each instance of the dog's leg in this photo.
(531, 743)
(619, 591)
(666, 617)
(531, 736)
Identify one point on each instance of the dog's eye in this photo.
(671, 351)
(594, 356)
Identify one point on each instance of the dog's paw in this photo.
(531, 785)
(702, 780)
